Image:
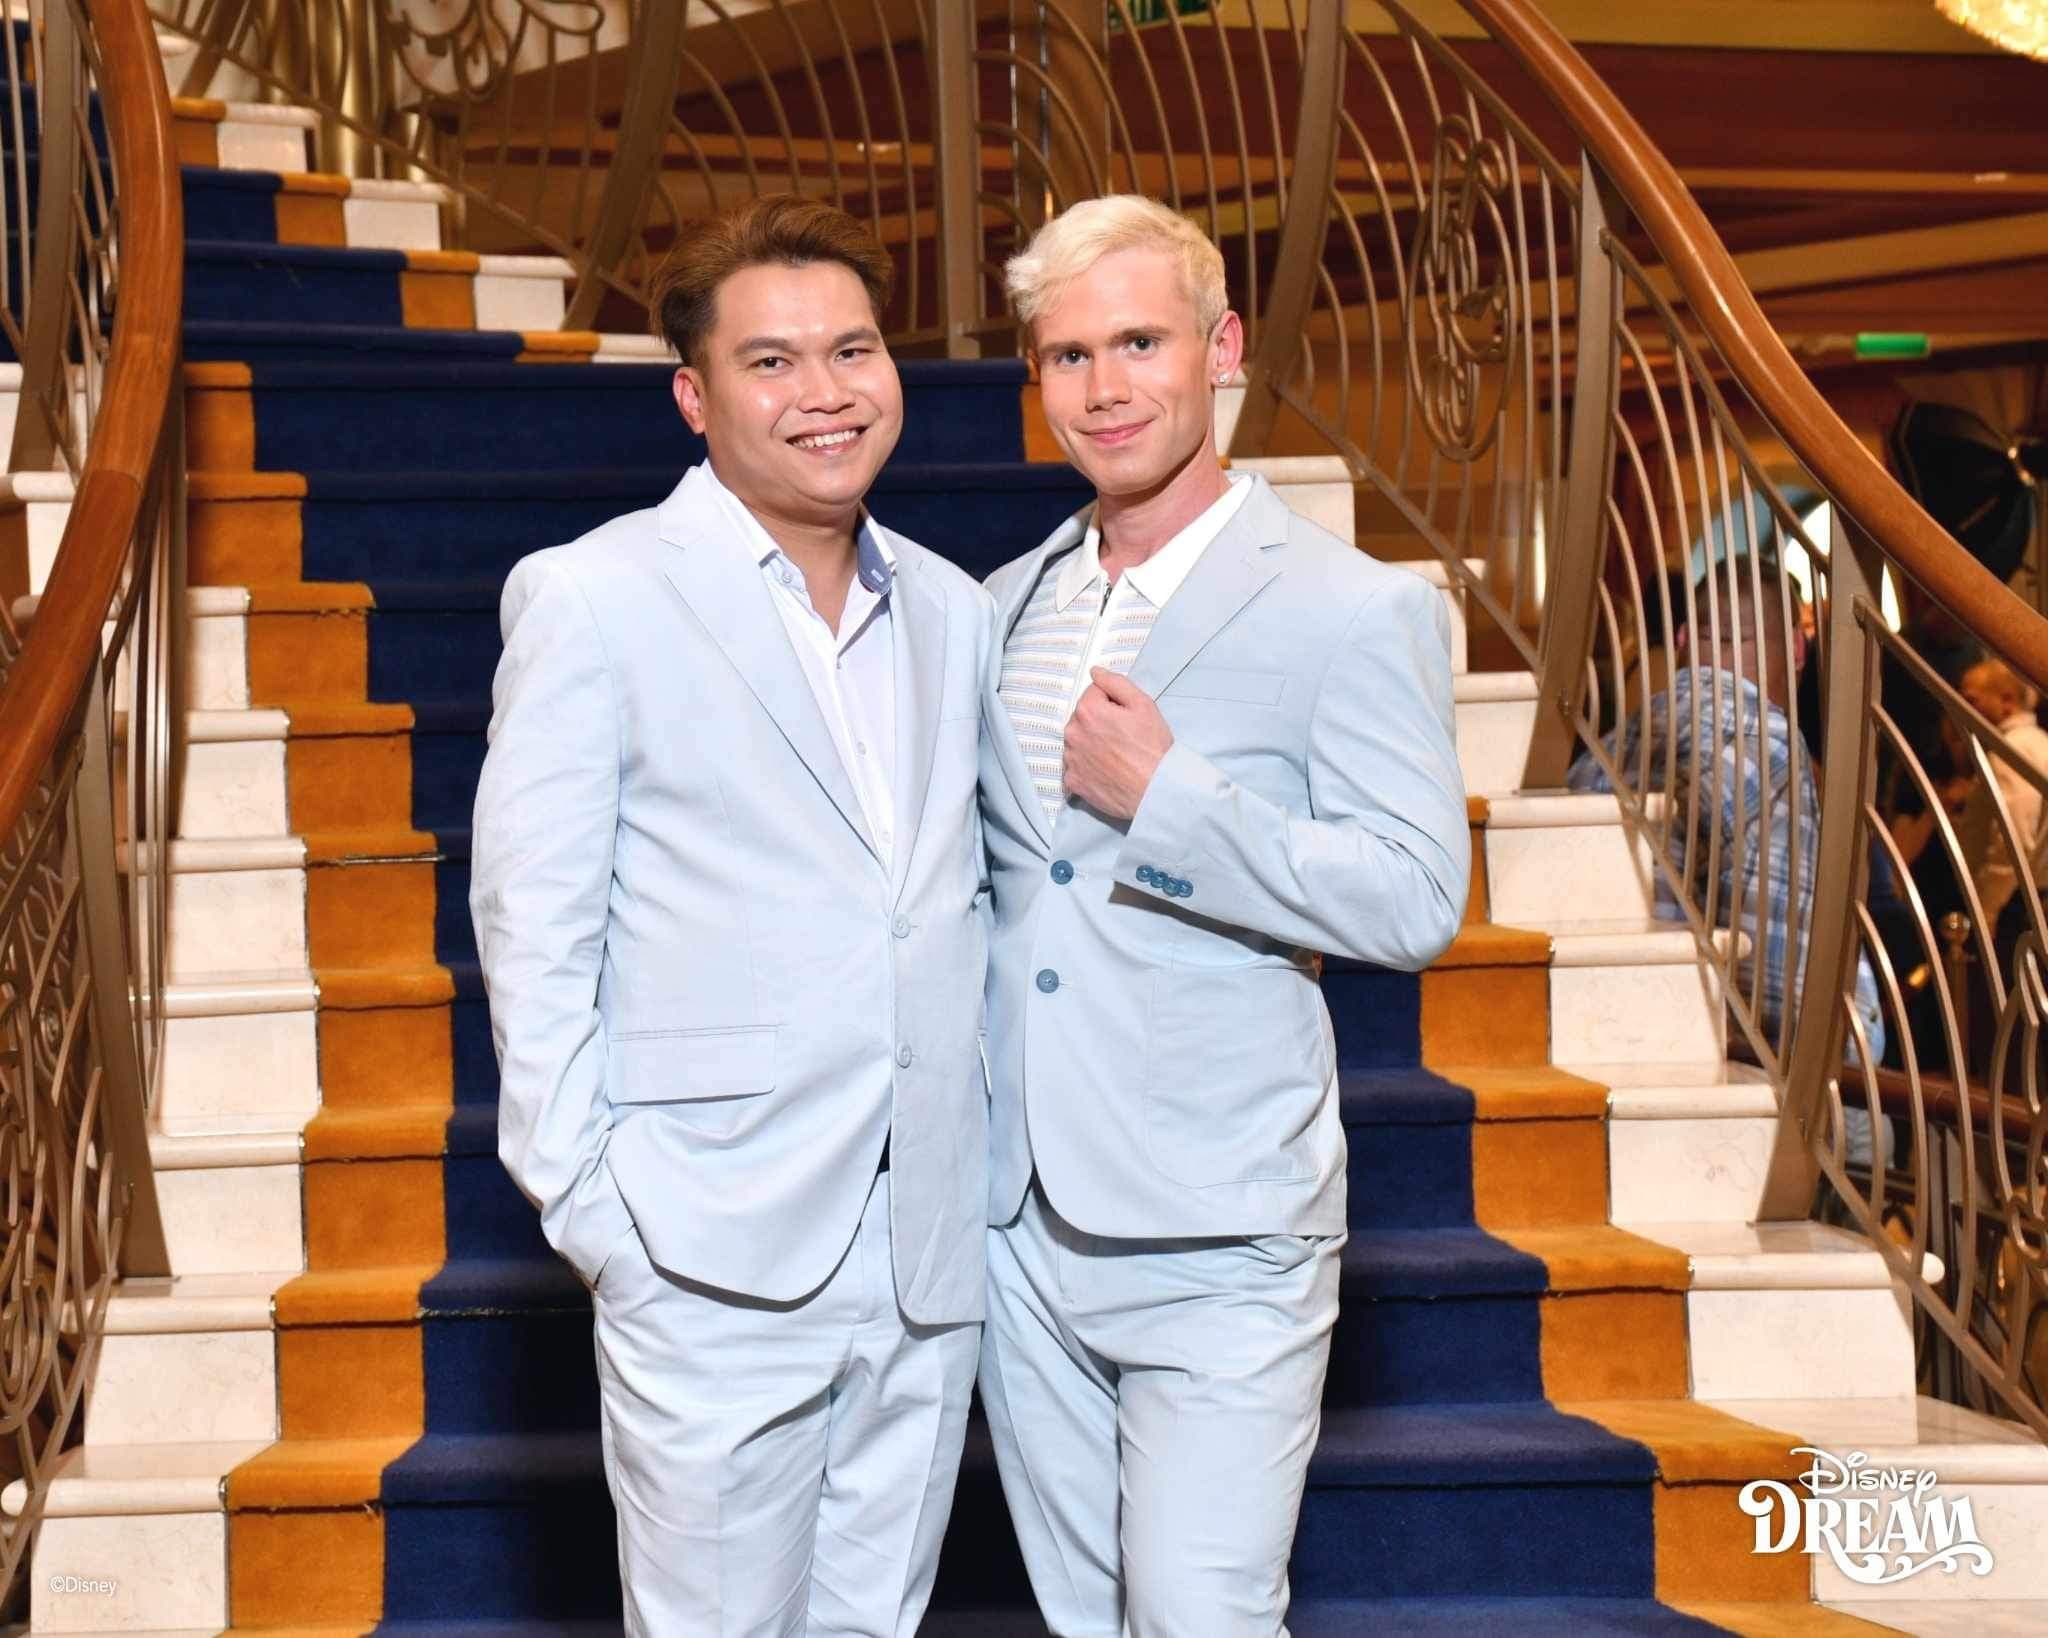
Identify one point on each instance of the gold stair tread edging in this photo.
(1489, 944)
(311, 597)
(387, 1295)
(1696, 1443)
(230, 484)
(368, 988)
(345, 719)
(316, 1473)
(218, 375)
(1527, 1092)
(1590, 1257)
(369, 846)
(376, 1132)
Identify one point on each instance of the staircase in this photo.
(367, 1400)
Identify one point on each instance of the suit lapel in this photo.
(726, 593)
(1002, 732)
(917, 631)
(1234, 569)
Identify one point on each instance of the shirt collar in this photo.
(1161, 574)
(874, 560)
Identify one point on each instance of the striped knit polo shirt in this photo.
(1075, 620)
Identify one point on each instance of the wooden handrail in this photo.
(1705, 273)
(1944, 1103)
(40, 691)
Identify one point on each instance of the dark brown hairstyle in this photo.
(778, 229)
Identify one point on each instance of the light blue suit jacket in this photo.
(1157, 1037)
(710, 1000)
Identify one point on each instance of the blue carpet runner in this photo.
(1447, 1496)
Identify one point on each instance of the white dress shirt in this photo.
(852, 672)
(1076, 620)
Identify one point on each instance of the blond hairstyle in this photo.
(1080, 236)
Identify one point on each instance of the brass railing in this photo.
(1490, 294)
(593, 128)
(91, 305)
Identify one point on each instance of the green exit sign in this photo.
(1154, 11)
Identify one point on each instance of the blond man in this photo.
(1219, 742)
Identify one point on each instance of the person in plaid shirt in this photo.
(1766, 826)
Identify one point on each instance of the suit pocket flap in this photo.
(675, 1066)
(1218, 682)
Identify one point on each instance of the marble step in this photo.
(1695, 1151)
(240, 1055)
(1496, 717)
(133, 1536)
(1632, 991)
(360, 213)
(1776, 1308)
(234, 775)
(188, 1359)
(237, 905)
(254, 136)
(453, 289)
(1557, 854)
(230, 1200)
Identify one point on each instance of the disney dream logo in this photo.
(1879, 1525)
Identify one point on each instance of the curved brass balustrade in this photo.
(1541, 360)
(591, 129)
(1491, 295)
(91, 311)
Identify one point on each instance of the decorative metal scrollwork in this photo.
(62, 1234)
(1463, 293)
(468, 48)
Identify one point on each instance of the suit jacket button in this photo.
(1183, 887)
(902, 927)
(1062, 872)
(904, 1055)
(1148, 875)
(1048, 980)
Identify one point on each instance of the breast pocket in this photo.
(690, 1065)
(1219, 682)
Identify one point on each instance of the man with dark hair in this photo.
(727, 893)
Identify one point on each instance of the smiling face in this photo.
(794, 392)
(1127, 377)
